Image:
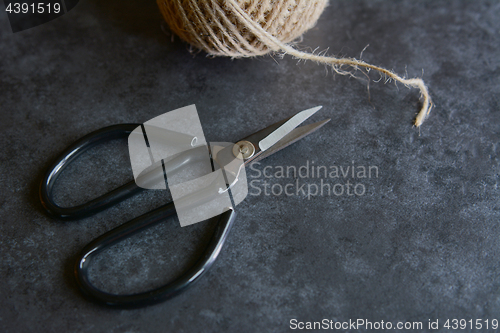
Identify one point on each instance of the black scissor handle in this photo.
(165, 292)
(128, 229)
(76, 149)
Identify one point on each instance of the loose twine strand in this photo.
(207, 25)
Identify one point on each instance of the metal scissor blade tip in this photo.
(319, 124)
(286, 128)
(314, 109)
(293, 136)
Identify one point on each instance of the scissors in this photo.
(253, 148)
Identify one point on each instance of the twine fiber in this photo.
(247, 28)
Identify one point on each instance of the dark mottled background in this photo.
(422, 243)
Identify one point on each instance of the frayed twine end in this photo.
(336, 63)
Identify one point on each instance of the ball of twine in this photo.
(218, 29)
(247, 28)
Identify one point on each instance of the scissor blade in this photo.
(294, 136)
(286, 128)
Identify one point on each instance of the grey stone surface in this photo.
(420, 244)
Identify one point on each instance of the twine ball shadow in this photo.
(215, 27)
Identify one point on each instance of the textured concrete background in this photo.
(422, 243)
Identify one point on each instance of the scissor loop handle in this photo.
(70, 154)
(130, 228)
(165, 292)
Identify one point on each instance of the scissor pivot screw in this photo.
(243, 149)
